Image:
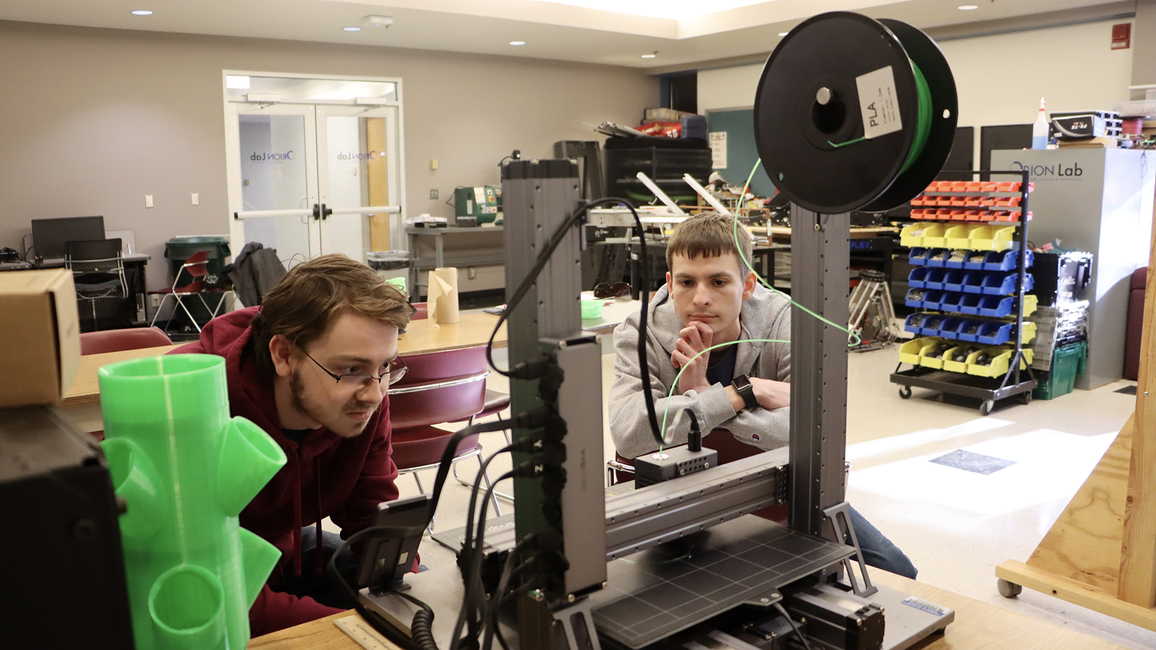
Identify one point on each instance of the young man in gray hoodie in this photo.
(712, 298)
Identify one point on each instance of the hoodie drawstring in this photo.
(319, 569)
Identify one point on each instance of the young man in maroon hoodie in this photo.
(311, 367)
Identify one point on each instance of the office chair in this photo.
(97, 270)
(438, 388)
(133, 338)
(193, 272)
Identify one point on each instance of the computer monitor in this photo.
(49, 236)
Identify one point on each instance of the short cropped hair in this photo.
(313, 294)
(710, 234)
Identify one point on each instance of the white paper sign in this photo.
(878, 103)
(718, 149)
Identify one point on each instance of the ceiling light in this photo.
(376, 21)
(517, 42)
(968, 7)
(142, 12)
(783, 33)
(237, 81)
(649, 56)
(352, 29)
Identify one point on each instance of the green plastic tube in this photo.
(185, 471)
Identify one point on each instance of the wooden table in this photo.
(977, 625)
(420, 336)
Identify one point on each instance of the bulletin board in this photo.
(741, 153)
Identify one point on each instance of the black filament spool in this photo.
(796, 131)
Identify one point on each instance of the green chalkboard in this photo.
(739, 125)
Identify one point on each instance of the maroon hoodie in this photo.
(325, 476)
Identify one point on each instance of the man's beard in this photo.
(297, 395)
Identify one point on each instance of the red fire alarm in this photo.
(1121, 36)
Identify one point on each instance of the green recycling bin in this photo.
(177, 251)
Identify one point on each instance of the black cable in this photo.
(472, 569)
(540, 263)
(783, 611)
(467, 561)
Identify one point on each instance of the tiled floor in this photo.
(955, 524)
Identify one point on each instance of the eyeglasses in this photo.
(395, 372)
(604, 290)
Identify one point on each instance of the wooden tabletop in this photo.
(420, 336)
(977, 625)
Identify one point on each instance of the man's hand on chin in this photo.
(692, 339)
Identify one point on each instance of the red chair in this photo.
(195, 268)
(438, 388)
(132, 338)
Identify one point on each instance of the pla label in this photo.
(878, 103)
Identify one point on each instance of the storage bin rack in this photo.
(969, 247)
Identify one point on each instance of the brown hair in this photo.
(312, 294)
(710, 234)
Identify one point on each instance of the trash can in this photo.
(391, 265)
(177, 251)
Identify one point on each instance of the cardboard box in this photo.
(41, 336)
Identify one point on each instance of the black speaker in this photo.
(63, 571)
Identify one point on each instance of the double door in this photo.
(311, 179)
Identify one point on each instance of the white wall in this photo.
(999, 79)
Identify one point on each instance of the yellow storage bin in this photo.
(1030, 304)
(991, 238)
(954, 366)
(934, 236)
(914, 234)
(958, 237)
(909, 352)
(925, 354)
(1028, 332)
(1000, 358)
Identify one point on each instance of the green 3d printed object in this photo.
(185, 471)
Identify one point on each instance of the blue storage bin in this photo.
(970, 331)
(914, 323)
(950, 302)
(932, 299)
(1002, 284)
(995, 333)
(1005, 260)
(937, 257)
(911, 300)
(975, 260)
(957, 259)
(973, 283)
(970, 304)
(917, 279)
(934, 279)
(917, 256)
(949, 329)
(953, 280)
(996, 306)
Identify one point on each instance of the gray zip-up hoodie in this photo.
(765, 315)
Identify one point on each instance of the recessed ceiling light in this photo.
(517, 42)
(649, 56)
(968, 7)
(142, 12)
(783, 33)
(352, 29)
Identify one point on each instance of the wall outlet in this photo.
(196, 198)
(148, 200)
(433, 164)
(471, 273)
(156, 300)
(433, 194)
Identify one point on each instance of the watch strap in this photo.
(742, 385)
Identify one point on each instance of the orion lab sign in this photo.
(355, 156)
(1051, 172)
(257, 156)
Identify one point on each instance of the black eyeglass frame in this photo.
(396, 365)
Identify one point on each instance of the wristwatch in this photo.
(742, 385)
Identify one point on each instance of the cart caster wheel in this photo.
(905, 392)
(1008, 589)
(1026, 398)
(986, 407)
